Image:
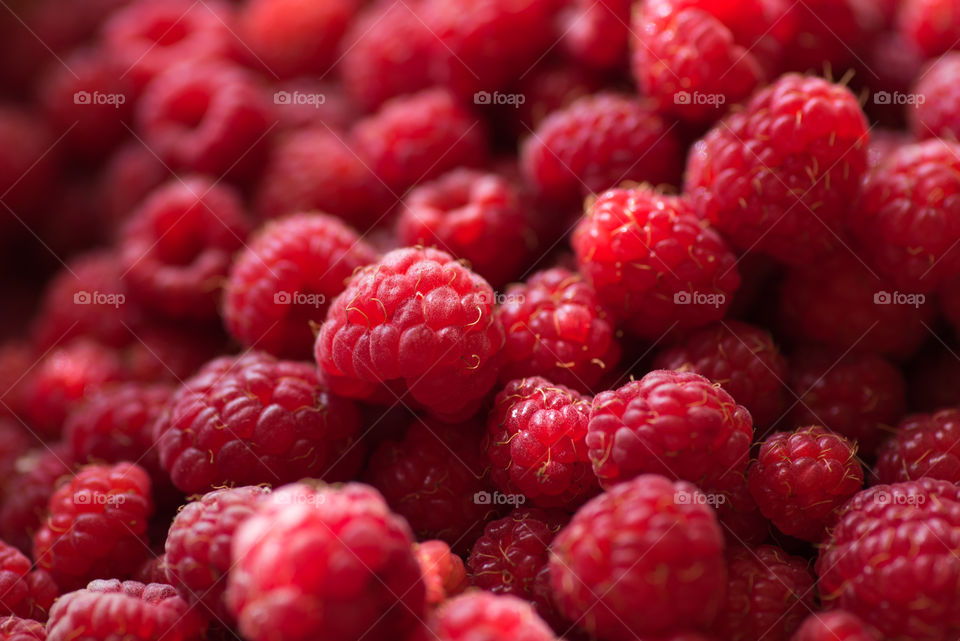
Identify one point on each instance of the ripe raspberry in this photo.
(891, 560)
(130, 173)
(743, 359)
(679, 273)
(829, 34)
(16, 629)
(779, 176)
(24, 504)
(198, 545)
(324, 562)
(23, 593)
(129, 610)
(550, 87)
(330, 107)
(678, 424)
(28, 164)
(178, 244)
(768, 594)
(596, 34)
(475, 216)
(556, 328)
(924, 446)
(536, 443)
(742, 522)
(938, 116)
(800, 478)
(170, 352)
(255, 419)
(482, 616)
(281, 284)
(96, 526)
(931, 25)
(17, 357)
(597, 143)
(837, 625)
(641, 559)
(14, 442)
(152, 571)
(858, 395)
(443, 573)
(418, 321)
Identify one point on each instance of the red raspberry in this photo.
(830, 35)
(14, 442)
(16, 629)
(931, 25)
(891, 560)
(28, 165)
(556, 328)
(641, 559)
(419, 321)
(129, 610)
(778, 177)
(97, 526)
(482, 616)
(551, 87)
(17, 358)
(198, 546)
(938, 115)
(131, 172)
(742, 522)
(152, 571)
(678, 424)
(475, 216)
(255, 419)
(597, 143)
(905, 220)
(837, 625)
(858, 395)
(324, 562)
(279, 287)
(331, 109)
(742, 358)
(171, 352)
(178, 245)
(28, 491)
(924, 446)
(417, 137)
(536, 443)
(800, 478)
(768, 594)
(443, 573)
(680, 272)
(596, 34)
(23, 593)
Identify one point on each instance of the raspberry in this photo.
(321, 104)
(681, 274)
(536, 443)
(833, 626)
(768, 594)
(597, 143)
(97, 525)
(931, 381)
(171, 352)
(883, 142)
(443, 573)
(281, 284)
(27, 166)
(778, 177)
(152, 571)
(417, 320)
(922, 447)
(481, 616)
(931, 25)
(556, 328)
(131, 172)
(23, 593)
(17, 358)
(800, 478)
(830, 34)
(475, 216)
(178, 245)
(641, 559)
(858, 395)
(678, 424)
(129, 610)
(890, 560)
(14, 442)
(742, 358)
(254, 419)
(28, 491)
(16, 629)
(198, 545)
(938, 116)
(548, 88)
(742, 522)
(324, 562)
(596, 34)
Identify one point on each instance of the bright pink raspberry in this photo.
(16, 629)
(24, 504)
(653, 262)
(678, 424)
(938, 115)
(778, 176)
(419, 322)
(282, 283)
(482, 616)
(643, 558)
(255, 419)
(931, 25)
(177, 246)
(836, 625)
(443, 572)
(536, 442)
(24, 592)
(596, 34)
(556, 328)
(800, 478)
(923, 446)
(324, 562)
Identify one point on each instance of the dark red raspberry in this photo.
(643, 558)
(556, 328)
(536, 443)
(130, 173)
(14, 442)
(653, 262)
(837, 625)
(768, 594)
(17, 359)
(550, 87)
(597, 143)
(830, 35)
(891, 560)
(419, 321)
(109, 609)
(28, 165)
(96, 526)
(482, 616)
(255, 419)
(170, 352)
(325, 562)
(931, 25)
(800, 478)
(742, 522)
(936, 109)
(742, 358)
(930, 380)
(778, 177)
(16, 629)
(24, 592)
(152, 571)
(859, 395)
(24, 504)
(197, 557)
(678, 424)
(282, 283)
(924, 446)
(178, 244)
(443, 572)
(596, 34)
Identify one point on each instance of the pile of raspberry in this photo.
(480, 320)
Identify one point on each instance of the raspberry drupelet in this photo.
(923, 446)
(14, 628)
(419, 323)
(482, 616)
(24, 592)
(654, 262)
(836, 625)
(443, 572)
